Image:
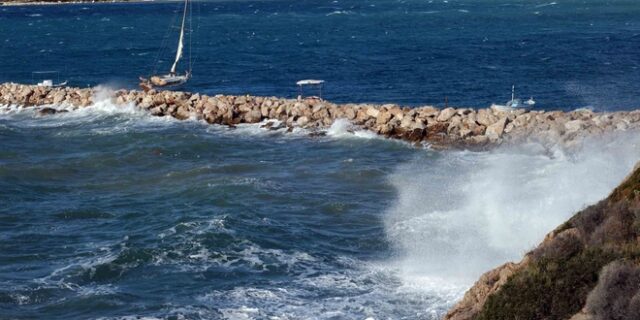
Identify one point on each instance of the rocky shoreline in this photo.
(439, 128)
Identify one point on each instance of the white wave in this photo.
(340, 12)
(259, 130)
(464, 213)
(342, 128)
(360, 291)
(428, 12)
(188, 251)
(216, 224)
(241, 313)
(546, 4)
(128, 116)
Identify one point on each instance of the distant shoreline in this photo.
(62, 2)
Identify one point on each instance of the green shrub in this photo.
(616, 295)
(548, 288)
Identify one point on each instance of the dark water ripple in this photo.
(166, 218)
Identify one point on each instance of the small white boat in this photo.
(310, 82)
(173, 78)
(44, 79)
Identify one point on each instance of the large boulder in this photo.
(485, 118)
(495, 131)
(446, 114)
(182, 113)
(253, 116)
(383, 117)
(302, 121)
(428, 112)
(372, 111)
(349, 113)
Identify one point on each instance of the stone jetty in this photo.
(448, 127)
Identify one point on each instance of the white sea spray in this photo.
(466, 213)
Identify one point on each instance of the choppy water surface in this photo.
(109, 213)
(567, 54)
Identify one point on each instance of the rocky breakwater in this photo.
(457, 127)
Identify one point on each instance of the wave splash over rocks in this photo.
(449, 127)
(469, 211)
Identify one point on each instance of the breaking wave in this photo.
(464, 213)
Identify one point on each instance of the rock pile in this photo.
(458, 127)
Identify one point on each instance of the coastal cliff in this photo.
(439, 128)
(586, 269)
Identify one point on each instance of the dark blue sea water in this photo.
(566, 54)
(110, 213)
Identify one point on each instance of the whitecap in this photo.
(343, 128)
(339, 12)
(546, 4)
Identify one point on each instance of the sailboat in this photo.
(172, 78)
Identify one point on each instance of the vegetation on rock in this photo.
(587, 269)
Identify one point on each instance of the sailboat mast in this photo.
(513, 92)
(181, 40)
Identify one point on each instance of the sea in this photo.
(107, 212)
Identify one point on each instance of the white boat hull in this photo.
(161, 81)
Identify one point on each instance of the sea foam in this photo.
(464, 213)
(342, 128)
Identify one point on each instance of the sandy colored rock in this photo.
(485, 117)
(447, 127)
(446, 114)
(383, 117)
(474, 298)
(372, 112)
(495, 131)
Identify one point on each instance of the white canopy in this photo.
(309, 82)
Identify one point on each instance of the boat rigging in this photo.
(173, 78)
